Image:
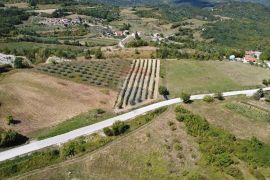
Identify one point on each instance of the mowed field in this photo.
(40, 101)
(197, 77)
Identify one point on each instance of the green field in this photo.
(197, 77)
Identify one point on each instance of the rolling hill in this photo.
(200, 3)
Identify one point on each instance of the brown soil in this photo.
(40, 101)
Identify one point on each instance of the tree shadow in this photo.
(16, 121)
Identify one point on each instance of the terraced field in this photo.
(104, 73)
(141, 85)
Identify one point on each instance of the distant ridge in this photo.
(198, 3)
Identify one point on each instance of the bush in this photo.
(220, 96)
(185, 97)
(180, 109)
(108, 131)
(234, 172)
(258, 95)
(181, 117)
(11, 138)
(100, 111)
(98, 54)
(163, 91)
(265, 82)
(9, 119)
(208, 99)
(117, 128)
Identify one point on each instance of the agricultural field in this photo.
(140, 24)
(198, 77)
(102, 73)
(40, 101)
(141, 85)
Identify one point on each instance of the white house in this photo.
(7, 59)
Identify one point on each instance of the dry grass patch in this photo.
(151, 152)
(241, 126)
(40, 101)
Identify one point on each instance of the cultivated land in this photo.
(141, 85)
(40, 101)
(197, 77)
(103, 73)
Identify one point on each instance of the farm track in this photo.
(141, 84)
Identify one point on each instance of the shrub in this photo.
(108, 131)
(265, 82)
(117, 128)
(208, 99)
(234, 172)
(180, 109)
(181, 117)
(9, 119)
(185, 97)
(10, 138)
(219, 96)
(163, 91)
(100, 111)
(177, 147)
(258, 95)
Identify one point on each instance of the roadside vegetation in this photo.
(69, 150)
(223, 150)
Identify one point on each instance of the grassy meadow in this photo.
(197, 77)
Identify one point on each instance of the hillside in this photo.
(200, 3)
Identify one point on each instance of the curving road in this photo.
(60, 139)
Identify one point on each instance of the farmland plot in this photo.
(141, 85)
(104, 73)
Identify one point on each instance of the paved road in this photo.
(60, 139)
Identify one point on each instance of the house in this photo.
(126, 32)
(248, 59)
(118, 33)
(7, 59)
(255, 54)
(251, 56)
(232, 58)
(267, 63)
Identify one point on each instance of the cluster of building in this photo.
(7, 59)
(60, 22)
(249, 57)
(157, 37)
